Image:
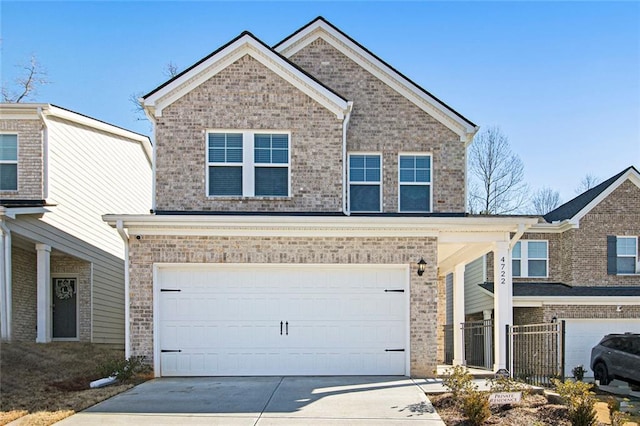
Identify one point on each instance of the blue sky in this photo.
(562, 79)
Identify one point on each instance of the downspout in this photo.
(6, 278)
(345, 126)
(127, 332)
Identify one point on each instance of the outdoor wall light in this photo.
(421, 265)
(554, 319)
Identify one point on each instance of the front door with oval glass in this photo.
(65, 310)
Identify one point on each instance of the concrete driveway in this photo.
(266, 401)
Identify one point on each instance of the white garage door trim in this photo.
(159, 267)
(598, 329)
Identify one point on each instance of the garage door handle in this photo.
(394, 350)
(286, 324)
(281, 328)
(171, 350)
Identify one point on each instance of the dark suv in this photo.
(617, 356)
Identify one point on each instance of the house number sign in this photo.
(503, 271)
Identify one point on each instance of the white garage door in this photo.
(289, 320)
(583, 334)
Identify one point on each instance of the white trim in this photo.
(428, 184)
(158, 267)
(66, 339)
(244, 45)
(379, 183)
(635, 256)
(320, 29)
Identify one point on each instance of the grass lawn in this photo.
(44, 383)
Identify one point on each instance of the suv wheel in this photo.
(600, 373)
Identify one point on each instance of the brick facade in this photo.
(248, 96)
(331, 250)
(24, 294)
(545, 314)
(386, 122)
(30, 159)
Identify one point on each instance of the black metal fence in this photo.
(478, 343)
(448, 344)
(535, 352)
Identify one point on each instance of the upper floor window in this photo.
(248, 164)
(8, 162)
(623, 255)
(414, 180)
(365, 184)
(529, 258)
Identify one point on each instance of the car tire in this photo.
(600, 373)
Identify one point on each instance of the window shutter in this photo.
(612, 256)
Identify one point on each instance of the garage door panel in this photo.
(227, 321)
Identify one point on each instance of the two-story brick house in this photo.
(308, 201)
(61, 267)
(580, 264)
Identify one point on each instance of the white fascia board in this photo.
(390, 77)
(12, 111)
(630, 174)
(53, 111)
(537, 301)
(12, 212)
(303, 225)
(245, 45)
(552, 228)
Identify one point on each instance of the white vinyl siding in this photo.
(530, 259)
(475, 298)
(414, 183)
(365, 182)
(8, 162)
(248, 164)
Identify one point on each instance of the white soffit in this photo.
(320, 29)
(246, 44)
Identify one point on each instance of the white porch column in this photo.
(458, 315)
(502, 301)
(44, 293)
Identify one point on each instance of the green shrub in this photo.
(580, 400)
(458, 380)
(578, 372)
(476, 407)
(124, 369)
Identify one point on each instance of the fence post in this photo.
(508, 351)
(562, 372)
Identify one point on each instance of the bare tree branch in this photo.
(496, 175)
(32, 76)
(544, 200)
(587, 182)
(170, 70)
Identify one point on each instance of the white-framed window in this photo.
(530, 258)
(8, 162)
(414, 182)
(248, 164)
(365, 182)
(627, 255)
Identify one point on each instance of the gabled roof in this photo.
(545, 289)
(583, 203)
(321, 28)
(245, 44)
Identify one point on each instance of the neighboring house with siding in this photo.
(580, 264)
(309, 200)
(61, 267)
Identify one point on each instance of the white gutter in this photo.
(5, 270)
(345, 125)
(127, 332)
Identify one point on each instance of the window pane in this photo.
(626, 265)
(515, 253)
(9, 147)
(356, 161)
(423, 162)
(8, 177)
(262, 156)
(280, 156)
(537, 268)
(272, 181)
(364, 198)
(234, 155)
(280, 142)
(217, 140)
(423, 176)
(271, 149)
(262, 141)
(407, 162)
(414, 198)
(225, 180)
(372, 162)
(372, 175)
(356, 175)
(364, 168)
(234, 140)
(515, 267)
(225, 147)
(216, 155)
(537, 249)
(626, 246)
(406, 175)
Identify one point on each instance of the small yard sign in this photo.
(502, 398)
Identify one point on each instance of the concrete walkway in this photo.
(262, 401)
